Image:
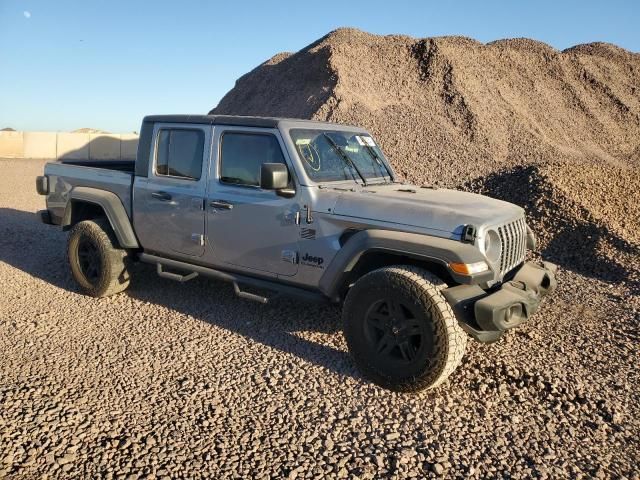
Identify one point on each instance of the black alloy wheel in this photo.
(89, 260)
(394, 331)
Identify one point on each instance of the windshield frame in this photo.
(305, 179)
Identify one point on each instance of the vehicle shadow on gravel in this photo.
(577, 239)
(33, 247)
(305, 330)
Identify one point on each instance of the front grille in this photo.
(514, 244)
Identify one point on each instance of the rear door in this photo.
(169, 202)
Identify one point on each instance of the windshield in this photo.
(332, 155)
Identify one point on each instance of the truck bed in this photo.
(120, 165)
(113, 176)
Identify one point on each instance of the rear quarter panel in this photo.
(63, 178)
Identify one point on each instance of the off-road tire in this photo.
(417, 291)
(106, 273)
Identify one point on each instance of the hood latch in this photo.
(469, 234)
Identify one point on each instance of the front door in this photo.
(248, 227)
(169, 202)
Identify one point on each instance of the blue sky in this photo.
(105, 64)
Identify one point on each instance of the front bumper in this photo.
(486, 315)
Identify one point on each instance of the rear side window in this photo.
(242, 156)
(180, 153)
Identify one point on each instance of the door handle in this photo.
(221, 204)
(162, 196)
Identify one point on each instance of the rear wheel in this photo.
(97, 263)
(401, 331)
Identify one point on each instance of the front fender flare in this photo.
(113, 208)
(421, 247)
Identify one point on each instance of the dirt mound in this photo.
(589, 230)
(456, 112)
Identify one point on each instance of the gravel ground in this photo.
(185, 380)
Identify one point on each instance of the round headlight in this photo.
(492, 246)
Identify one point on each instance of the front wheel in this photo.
(97, 263)
(400, 330)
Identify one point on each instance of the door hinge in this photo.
(290, 256)
(309, 215)
(292, 218)
(197, 203)
(197, 238)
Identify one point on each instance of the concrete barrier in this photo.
(128, 146)
(104, 146)
(71, 146)
(11, 144)
(39, 144)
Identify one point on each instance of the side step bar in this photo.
(235, 279)
(248, 296)
(175, 276)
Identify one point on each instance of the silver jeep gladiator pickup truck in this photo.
(309, 209)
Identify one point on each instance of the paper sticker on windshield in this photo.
(360, 141)
(351, 149)
(368, 141)
(303, 141)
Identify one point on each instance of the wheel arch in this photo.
(375, 258)
(368, 250)
(86, 203)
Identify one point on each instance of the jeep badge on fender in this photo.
(313, 261)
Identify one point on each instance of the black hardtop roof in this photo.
(235, 120)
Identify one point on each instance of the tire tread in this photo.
(450, 340)
(116, 276)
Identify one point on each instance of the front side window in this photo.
(330, 155)
(242, 156)
(180, 152)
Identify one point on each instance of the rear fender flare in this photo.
(113, 209)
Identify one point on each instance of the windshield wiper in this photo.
(373, 154)
(345, 157)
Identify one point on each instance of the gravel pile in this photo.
(184, 380)
(556, 132)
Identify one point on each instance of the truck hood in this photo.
(434, 209)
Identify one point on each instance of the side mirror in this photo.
(275, 176)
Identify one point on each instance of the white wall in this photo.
(128, 146)
(57, 145)
(73, 146)
(10, 144)
(39, 144)
(104, 147)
